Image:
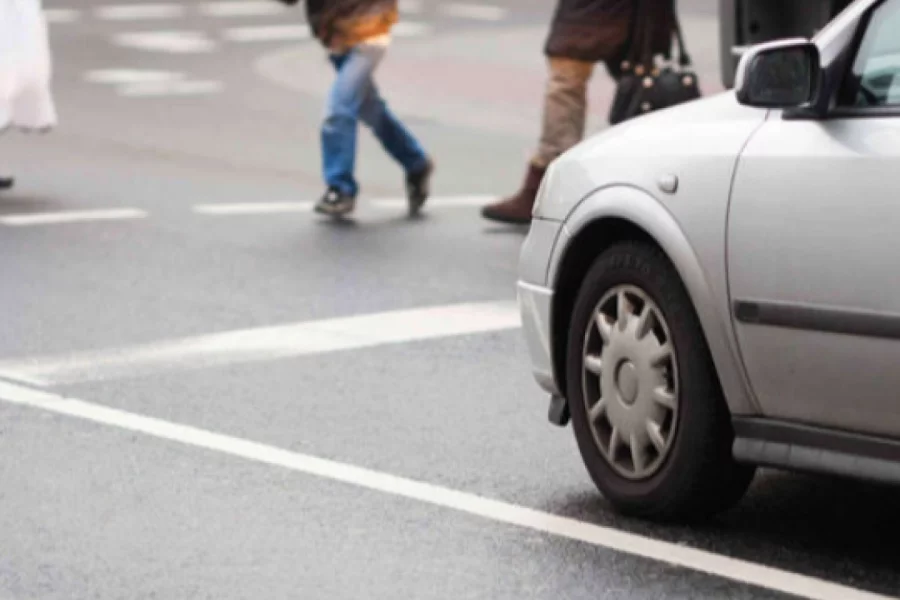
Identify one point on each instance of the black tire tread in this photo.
(700, 477)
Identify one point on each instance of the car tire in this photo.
(695, 476)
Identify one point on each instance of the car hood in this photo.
(696, 140)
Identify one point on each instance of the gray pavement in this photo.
(94, 511)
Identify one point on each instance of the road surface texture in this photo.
(208, 392)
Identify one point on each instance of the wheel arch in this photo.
(621, 213)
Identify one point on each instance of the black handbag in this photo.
(644, 87)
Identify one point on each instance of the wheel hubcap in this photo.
(627, 382)
(630, 382)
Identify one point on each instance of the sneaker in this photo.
(418, 188)
(6, 183)
(335, 203)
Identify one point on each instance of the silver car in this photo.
(713, 287)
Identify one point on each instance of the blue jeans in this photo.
(354, 98)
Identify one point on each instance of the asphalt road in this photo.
(205, 294)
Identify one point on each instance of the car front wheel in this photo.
(648, 414)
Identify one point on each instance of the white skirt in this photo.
(25, 67)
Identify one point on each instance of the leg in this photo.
(565, 109)
(354, 78)
(402, 146)
(399, 143)
(565, 113)
(390, 131)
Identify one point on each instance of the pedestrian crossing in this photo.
(232, 9)
(210, 26)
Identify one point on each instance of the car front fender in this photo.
(703, 273)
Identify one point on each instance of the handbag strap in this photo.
(632, 51)
(641, 41)
(684, 59)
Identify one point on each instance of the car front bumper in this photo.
(536, 299)
(536, 305)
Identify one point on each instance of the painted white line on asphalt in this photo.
(74, 216)
(411, 6)
(439, 202)
(740, 571)
(267, 343)
(158, 89)
(274, 208)
(172, 42)
(129, 76)
(411, 29)
(62, 15)
(267, 33)
(252, 208)
(476, 12)
(138, 12)
(242, 8)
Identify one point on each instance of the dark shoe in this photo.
(517, 209)
(418, 188)
(335, 204)
(6, 183)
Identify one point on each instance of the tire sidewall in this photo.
(697, 417)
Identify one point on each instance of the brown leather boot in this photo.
(517, 209)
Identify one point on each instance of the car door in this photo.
(814, 250)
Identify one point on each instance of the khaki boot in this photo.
(517, 209)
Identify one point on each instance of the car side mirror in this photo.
(781, 74)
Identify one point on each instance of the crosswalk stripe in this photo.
(136, 12)
(411, 29)
(62, 15)
(242, 8)
(267, 343)
(74, 216)
(411, 6)
(172, 42)
(130, 76)
(269, 208)
(440, 202)
(155, 89)
(267, 33)
(476, 12)
(252, 208)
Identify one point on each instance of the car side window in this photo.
(875, 77)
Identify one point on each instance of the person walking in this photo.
(583, 33)
(356, 34)
(25, 98)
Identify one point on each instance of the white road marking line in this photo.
(252, 208)
(267, 33)
(476, 12)
(62, 15)
(411, 29)
(121, 76)
(439, 202)
(411, 6)
(270, 208)
(74, 216)
(172, 42)
(157, 89)
(498, 511)
(267, 343)
(138, 12)
(242, 8)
